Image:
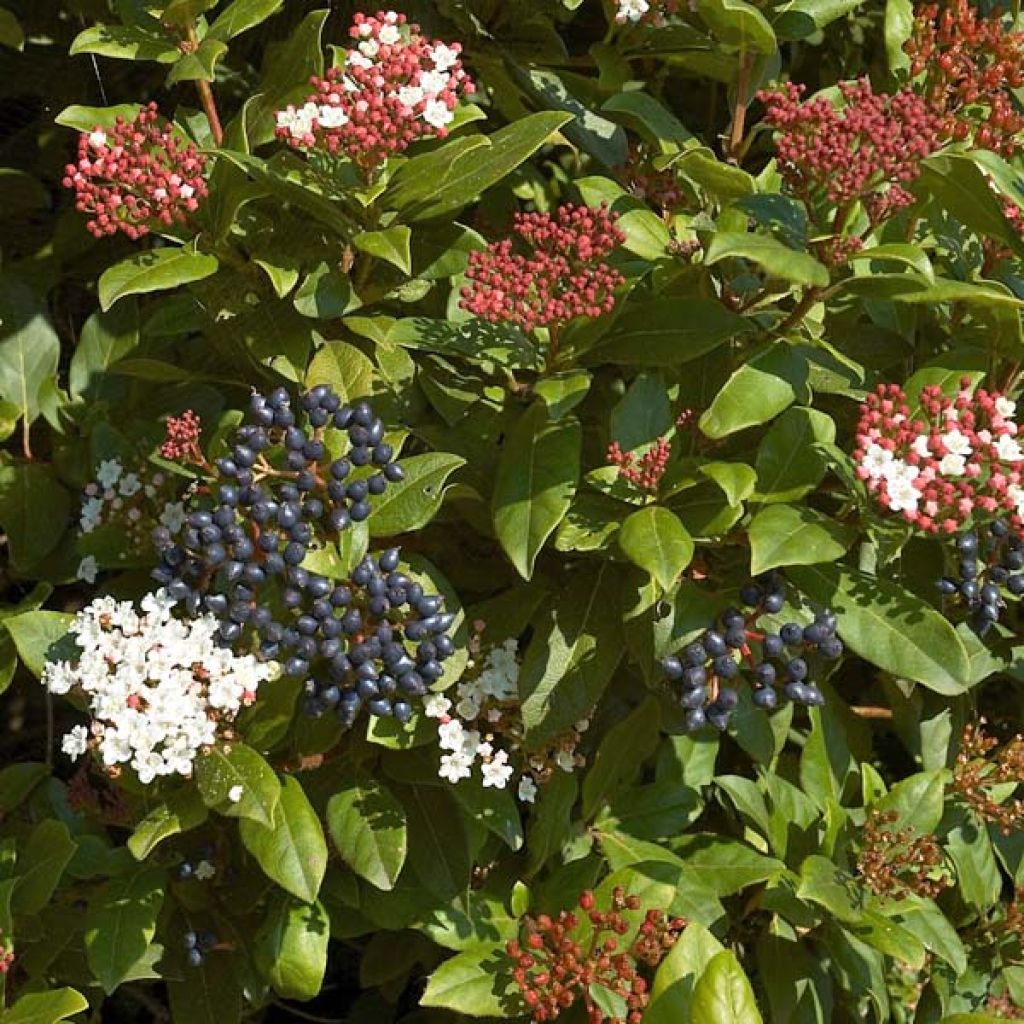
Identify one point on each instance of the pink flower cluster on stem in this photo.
(969, 63)
(136, 177)
(645, 472)
(182, 441)
(397, 85)
(866, 151)
(955, 461)
(562, 274)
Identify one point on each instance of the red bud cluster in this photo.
(969, 62)
(981, 764)
(555, 967)
(645, 473)
(561, 276)
(182, 441)
(135, 177)
(395, 86)
(865, 151)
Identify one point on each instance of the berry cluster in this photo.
(653, 12)
(979, 767)
(895, 862)
(136, 177)
(956, 461)
(969, 64)
(708, 668)
(977, 584)
(280, 496)
(555, 970)
(866, 151)
(395, 86)
(353, 644)
(197, 945)
(562, 276)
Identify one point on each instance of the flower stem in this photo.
(206, 97)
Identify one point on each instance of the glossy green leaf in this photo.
(152, 271)
(774, 258)
(45, 1007)
(723, 994)
(237, 782)
(792, 535)
(368, 828)
(291, 946)
(654, 539)
(412, 502)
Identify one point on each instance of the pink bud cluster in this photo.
(182, 441)
(970, 62)
(396, 86)
(136, 177)
(562, 276)
(645, 472)
(866, 151)
(956, 460)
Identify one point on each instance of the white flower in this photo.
(527, 789)
(497, 771)
(97, 139)
(235, 794)
(956, 443)
(389, 35)
(356, 59)
(76, 742)
(632, 10)
(876, 460)
(87, 569)
(109, 472)
(332, 117)
(451, 735)
(130, 484)
(952, 465)
(173, 516)
(410, 96)
(455, 766)
(369, 47)
(186, 191)
(92, 514)
(433, 82)
(436, 705)
(582, 725)
(920, 446)
(444, 57)
(1008, 449)
(437, 114)
(205, 871)
(1005, 407)
(903, 495)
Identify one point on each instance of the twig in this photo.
(206, 97)
(870, 711)
(739, 112)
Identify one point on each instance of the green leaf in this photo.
(411, 503)
(121, 922)
(439, 852)
(667, 332)
(723, 995)
(182, 810)
(237, 770)
(34, 633)
(241, 15)
(918, 800)
(105, 338)
(792, 535)
(623, 750)
(676, 978)
(344, 368)
(34, 511)
(889, 626)
(45, 1007)
(325, 294)
(125, 42)
(535, 483)
(757, 392)
(724, 865)
(29, 351)
(979, 881)
(293, 851)
(85, 119)
(470, 983)
(17, 781)
(576, 649)
(649, 118)
(613, 1005)
(562, 392)
(11, 33)
(368, 828)
(802, 18)
(201, 64)
(391, 245)
(788, 463)
(419, 196)
(654, 539)
(549, 822)
(43, 859)
(152, 271)
(291, 946)
(774, 258)
(899, 25)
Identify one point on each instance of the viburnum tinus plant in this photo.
(511, 511)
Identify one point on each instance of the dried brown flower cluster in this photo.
(983, 764)
(895, 862)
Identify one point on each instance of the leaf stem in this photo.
(206, 97)
(739, 110)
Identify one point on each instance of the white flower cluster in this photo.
(157, 687)
(469, 725)
(120, 495)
